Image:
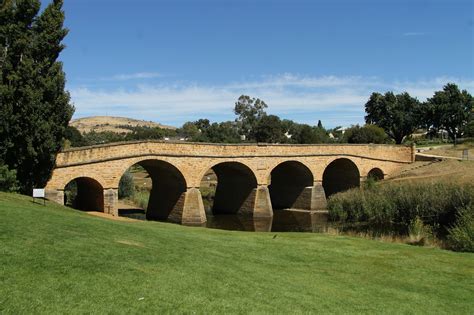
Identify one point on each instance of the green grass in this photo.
(140, 198)
(57, 260)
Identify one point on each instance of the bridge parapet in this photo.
(85, 155)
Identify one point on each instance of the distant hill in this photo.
(109, 123)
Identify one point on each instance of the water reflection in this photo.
(288, 220)
(239, 223)
(138, 214)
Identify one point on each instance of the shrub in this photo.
(140, 198)
(393, 207)
(461, 235)
(365, 134)
(126, 185)
(8, 181)
(418, 232)
(74, 137)
(70, 194)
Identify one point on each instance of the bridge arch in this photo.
(168, 188)
(376, 174)
(235, 190)
(288, 182)
(84, 193)
(340, 175)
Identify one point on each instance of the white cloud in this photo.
(335, 100)
(288, 80)
(132, 76)
(424, 89)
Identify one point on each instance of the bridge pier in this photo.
(193, 209)
(262, 207)
(110, 201)
(303, 198)
(317, 200)
(55, 195)
(311, 198)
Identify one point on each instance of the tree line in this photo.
(449, 110)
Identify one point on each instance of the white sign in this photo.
(38, 193)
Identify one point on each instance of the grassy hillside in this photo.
(57, 260)
(451, 171)
(113, 124)
(450, 150)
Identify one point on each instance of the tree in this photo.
(451, 110)
(269, 129)
(469, 128)
(93, 138)
(126, 185)
(249, 111)
(310, 135)
(202, 124)
(365, 134)
(398, 115)
(306, 135)
(224, 132)
(8, 180)
(35, 108)
(144, 133)
(74, 137)
(320, 124)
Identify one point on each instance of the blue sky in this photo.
(175, 61)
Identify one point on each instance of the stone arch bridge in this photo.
(253, 179)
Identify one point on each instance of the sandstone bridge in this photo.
(253, 179)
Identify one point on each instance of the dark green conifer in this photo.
(34, 106)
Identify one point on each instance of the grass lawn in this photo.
(58, 260)
(446, 171)
(451, 150)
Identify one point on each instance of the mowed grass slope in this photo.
(57, 260)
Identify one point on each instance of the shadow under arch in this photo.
(288, 181)
(235, 190)
(84, 193)
(340, 175)
(168, 188)
(376, 174)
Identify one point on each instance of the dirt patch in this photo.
(111, 217)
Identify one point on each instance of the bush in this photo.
(140, 198)
(393, 207)
(365, 134)
(74, 137)
(418, 232)
(126, 186)
(469, 129)
(461, 235)
(70, 194)
(8, 180)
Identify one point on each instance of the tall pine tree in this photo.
(34, 106)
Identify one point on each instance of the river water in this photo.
(288, 220)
